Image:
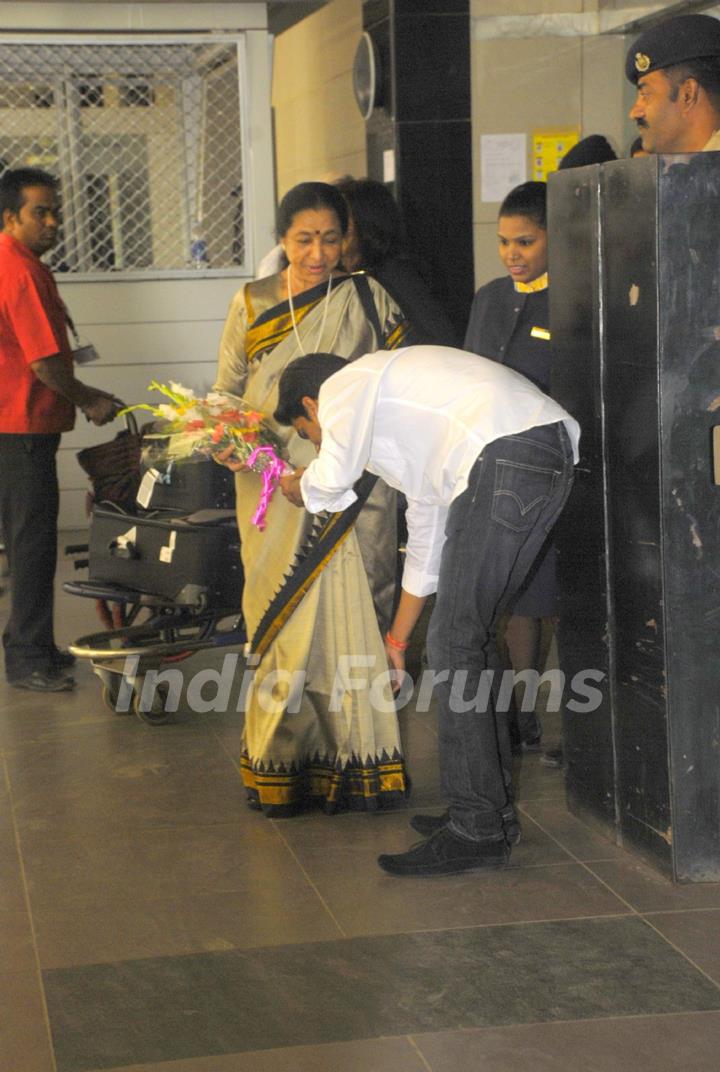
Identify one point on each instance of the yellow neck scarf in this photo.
(533, 287)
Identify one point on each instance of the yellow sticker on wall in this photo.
(549, 147)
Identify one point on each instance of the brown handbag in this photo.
(114, 467)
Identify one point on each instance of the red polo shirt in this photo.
(32, 326)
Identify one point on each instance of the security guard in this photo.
(676, 68)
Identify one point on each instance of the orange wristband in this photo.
(398, 645)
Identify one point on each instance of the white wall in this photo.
(545, 66)
(163, 328)
(318, 127)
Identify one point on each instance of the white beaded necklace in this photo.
(292, 312)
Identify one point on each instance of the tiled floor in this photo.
(149, 921)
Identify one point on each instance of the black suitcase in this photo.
(191, 484)
(193, 560)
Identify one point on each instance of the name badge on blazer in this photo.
(540, 333)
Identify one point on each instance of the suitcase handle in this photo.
(126, 549)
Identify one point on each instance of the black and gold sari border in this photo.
(268, 330)
(354, 783)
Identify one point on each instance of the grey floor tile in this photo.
(371, 902)
(123, 775)
(649, 891)
(696, 933)
(24, 1035)
(66, 872)
(533, 782)
(687, 1042)
(228, 730)
(583, 841)
(351, 835)
(425, 776)
(12, 890)
(17, 949)
(182, 1007)
(366, 1055)
(6, 817)
(181, 922)
(25, 718)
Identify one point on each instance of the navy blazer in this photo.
(508, 326)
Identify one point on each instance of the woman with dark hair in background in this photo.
(313, 736)
(374, 243)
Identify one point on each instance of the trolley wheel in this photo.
(110, 694)
(155, 715)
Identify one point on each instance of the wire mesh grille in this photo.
(146, 141)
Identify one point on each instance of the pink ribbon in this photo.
(270, 478)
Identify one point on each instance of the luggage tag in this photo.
(147, 484)
(167, 552)
(123, 546)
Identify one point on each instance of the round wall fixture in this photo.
(366, 75)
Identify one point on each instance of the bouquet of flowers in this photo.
(209, 426)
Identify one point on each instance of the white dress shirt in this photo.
(419, 417)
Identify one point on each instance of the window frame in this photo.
(239, 40)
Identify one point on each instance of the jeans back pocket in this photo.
(521, 492)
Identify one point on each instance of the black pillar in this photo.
(424, 117)
(637, 360)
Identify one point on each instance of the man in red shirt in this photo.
(38, 396)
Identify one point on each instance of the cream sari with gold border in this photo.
(313, 727)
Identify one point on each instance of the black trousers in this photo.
(29, 502)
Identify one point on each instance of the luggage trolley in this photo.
(167, 586)
(121, 657)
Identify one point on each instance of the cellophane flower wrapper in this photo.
(209, 425)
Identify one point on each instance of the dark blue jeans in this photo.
(494, 532)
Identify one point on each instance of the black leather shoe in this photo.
(446, 854)
(63, 660)
(42, 681)
(427, 825)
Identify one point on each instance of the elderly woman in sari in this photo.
(314, 729)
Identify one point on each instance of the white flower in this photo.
(193, 414)
(178, 389)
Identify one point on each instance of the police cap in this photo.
(687, 37)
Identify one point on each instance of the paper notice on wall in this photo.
(503, 164)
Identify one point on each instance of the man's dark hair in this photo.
(529, 199)
(310, 195)
(376, 216)
(705, 71)
(14, 181)
(303, 378)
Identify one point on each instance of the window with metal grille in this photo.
(146, 138)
